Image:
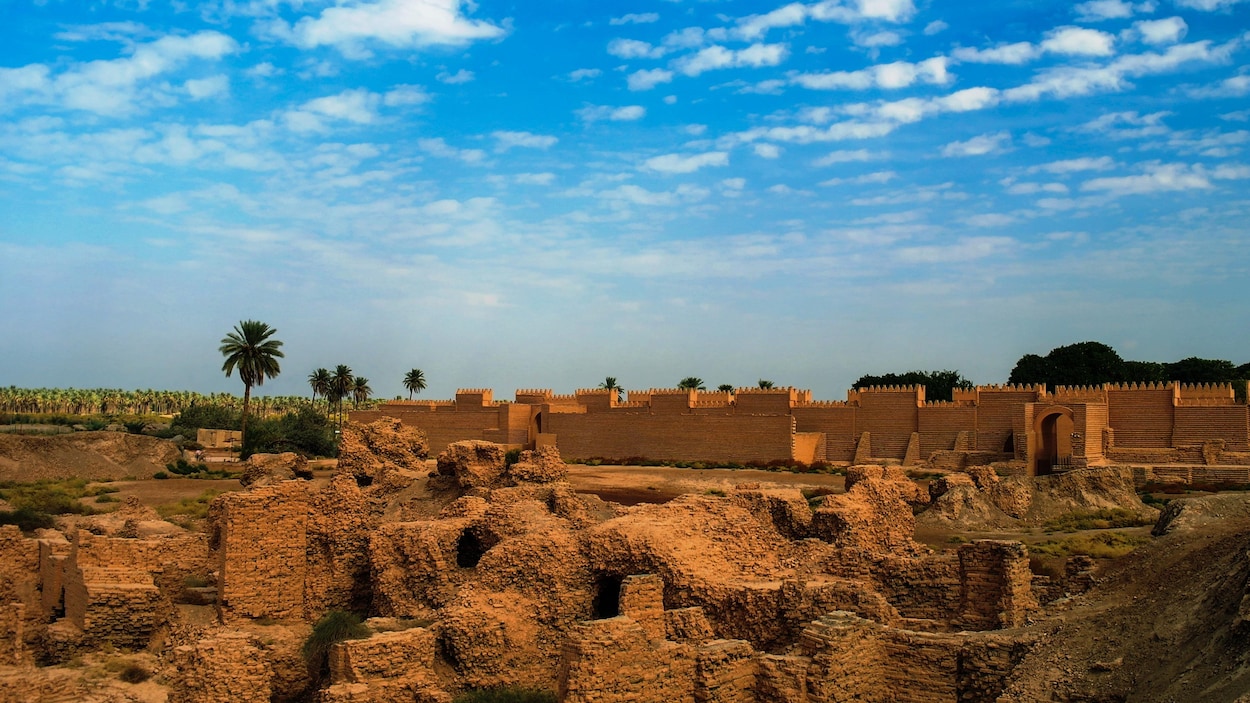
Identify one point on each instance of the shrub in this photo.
(196, 507)
(160, 475)
(335, 626)
(26, 519)
(506, 694)
(134, 673)
(511, 457)
(1101, 519)
(1104, 545)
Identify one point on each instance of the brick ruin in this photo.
(497, 573)
(1038, 430)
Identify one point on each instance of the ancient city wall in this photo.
(1195, 425)
(677, 437)
(836, 421)
(891, 415)
(940, 424)
(1142, 414)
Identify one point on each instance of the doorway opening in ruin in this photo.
(1054, 429)
(469, 550)
(364, 481)
(607, 600)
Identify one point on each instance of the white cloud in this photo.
(935, 27)
(1232, 87)
(1099, 10)
(649, 78)
(1158, 178)
(887, 10)
(989, 219)
(635, 18)
(1165, 31)
(505, 140)
(964, 249)
(404, 95)
(1010, 54)
(582, 74)
(841, 157)
(394, 23)
(1079, 41)
(678, 163)
(899, 74)
(877, 177)
(628, 113)
(978, 146)
(1208, 5)
(115, 87)
(718, 57)
(535, 179)
(1128, 125)
(438, 147)
(756, 26)
(876, 40)
(634, 49)
(202, 88)
(1035, 188)
(461, 76)
(1084, 163)
(767, 151)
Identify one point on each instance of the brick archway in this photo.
(1053, 428)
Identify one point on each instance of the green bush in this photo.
(335, 626)
(511, 457)
(51, 497)
(196, 507)
(506, 694)
(26, 519)
(160, 475)
(134, 673)
(305, 431)
(1102, 519)
(1103, 545)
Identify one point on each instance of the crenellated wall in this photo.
(986, 423)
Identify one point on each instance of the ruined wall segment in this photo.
(261, 539)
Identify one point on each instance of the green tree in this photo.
(610, 383)
(1081, 364)
(360, 391)
(250, 350)
(319, 381)
(938, 385)
(1145, 372)
(1196, 370)
(725, 388)
(693, 383)
(765, 384)
(342, 383)
(414, 381)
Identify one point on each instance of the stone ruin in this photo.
(487, 572)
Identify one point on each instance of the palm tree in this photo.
(414, 381)
(250, 350)
(319, 380)
(360, 391)
(692, 383)
(611, 384)
(765, 384)
(725, 388)
(341, 384)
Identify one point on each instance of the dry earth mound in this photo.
(1185, 514)
(1168, 622)
(983, 501)
(92, 455)
(378, 452)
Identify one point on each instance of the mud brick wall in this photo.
(986, 663)
(337, 569)
(997, 410)
(384, 655)
(1090, 421)
(413, 565)
(891, 417)
(940, 424)
(642, 600)
(613, 661)
(995, 585)
(921, 667)
(53, 553)
(13, 650)
(927, 588)
(1142, 416)
(229, 667)
(261, 538)
(444, 425)
(761, 402)
(689, 437)
(781, 679)
(19, 572)
(169, 559)
(846, 659)
(725, 672)
(1194, 425)
(118, 606)
(837, 422)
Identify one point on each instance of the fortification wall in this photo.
(1141, 414)
(997, 412)
(677, 437)
(941, 423)
(776, 401)
(1195, 425)
(444, 425)
(836, 422)
(891, 415)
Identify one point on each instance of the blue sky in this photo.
(542, 194)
